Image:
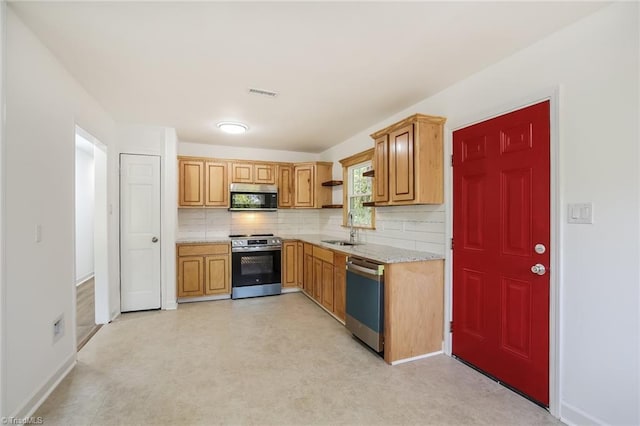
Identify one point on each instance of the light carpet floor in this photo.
(266, 361)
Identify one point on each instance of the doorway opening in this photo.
(91, 252)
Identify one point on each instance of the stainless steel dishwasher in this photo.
(365, 301)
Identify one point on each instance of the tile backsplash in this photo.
(215, 223)
(413, 227)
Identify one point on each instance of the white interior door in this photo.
(139, 232)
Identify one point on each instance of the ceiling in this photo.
(337, 67)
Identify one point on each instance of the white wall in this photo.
(43, 105)
(85, 202)
(161, 141)
(242, 153)
(3, 39)
(594, 63)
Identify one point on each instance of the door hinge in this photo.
(451, 160)
(450, 326)
(451, 243)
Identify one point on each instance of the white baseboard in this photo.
(170, 306)
(45, 390)
(415, 358)
(574, 416)
(203, 298)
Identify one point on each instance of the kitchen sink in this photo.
(340, 242)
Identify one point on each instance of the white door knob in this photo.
(539, 269)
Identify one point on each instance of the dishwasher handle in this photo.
(364, 267)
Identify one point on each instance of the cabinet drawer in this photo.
(202, 249)
(324, 254)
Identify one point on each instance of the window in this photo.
(358, 190)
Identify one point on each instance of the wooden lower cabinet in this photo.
(190, 276)
(203, 270)
(308, 269)
(327, 285)
(216, 274)
(413, 309)
(300, 264)
(324, 277)
(289, 264)
(317, 279)
(339, 285)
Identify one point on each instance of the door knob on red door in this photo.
(539, 269)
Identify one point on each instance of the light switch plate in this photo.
(580, 213)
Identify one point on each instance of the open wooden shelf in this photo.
(332, 183)
(332, 206)
(369, 173)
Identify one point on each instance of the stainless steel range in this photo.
(255, 265)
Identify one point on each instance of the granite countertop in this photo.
(376, 252)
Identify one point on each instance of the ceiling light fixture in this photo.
(232, 127)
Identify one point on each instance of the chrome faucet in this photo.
(352, 230)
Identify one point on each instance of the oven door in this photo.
(255, 266)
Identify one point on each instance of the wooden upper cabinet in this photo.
(381, 168)
(264, 173)
(250, 172)
(401, 172)
(304, 185)
(216, 184)
(285, 186)
(203, 182)
(191, 182)
(409, 163)
(307, 185)
(242, 172)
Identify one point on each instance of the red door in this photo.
(501, 230)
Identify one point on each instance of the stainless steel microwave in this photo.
(250, 197)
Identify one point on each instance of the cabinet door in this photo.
(401, 164)
(300, 264)
(339, 285)
(317, 279)
(264, 173)
(304, 186)
(327, 285)
(381, 168)
(308, 274)
(190, 276)
(191, 182)
(289, 264)
(242, 172)
(285, 184)
(217, 184)
(216, 274)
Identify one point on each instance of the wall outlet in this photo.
(58, 328)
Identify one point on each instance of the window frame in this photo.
(354, 160)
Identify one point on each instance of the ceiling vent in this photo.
(261, 92)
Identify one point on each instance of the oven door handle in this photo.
(252, 249)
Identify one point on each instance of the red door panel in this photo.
(500, 212)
